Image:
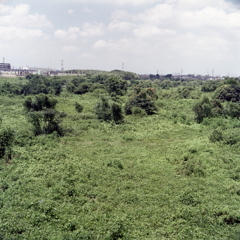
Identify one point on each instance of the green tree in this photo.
(78, 107)
(143, 98)
(233, 110)
(228, 93)
(7, 136)
(103, 109)
(42, 115)
(115, 85)
(108, 110)
(83, 88)
(202, 109)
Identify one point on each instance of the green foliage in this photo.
(115, 85)
(6, 142)
(166, 84)
(83, 88)
(78, 107)
(143, 98)
(231, 137)
(152, 177)
(202, 109)
(99, 78)
(209, 86)
(185, 91)
(40, 84)
(216, 136)
(109, 110)
(233, 110)
(39, 102)
(103, 109)
(9, 88)
(117, 114)
(138, 111)
(71, 87)
(228, 93)
(42, 115)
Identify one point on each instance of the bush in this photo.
(233, 110)
(138, 111)
(117, 114)
(228, 93)
(39, 103)
(115, 85)
(108, 110)
(144, 99)
(202, 109)
(231, 137)
(83, 88)
(216, 136)
(42, 115)
(40, 84)
(78, 107)
(6, 142)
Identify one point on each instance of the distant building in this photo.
(5, 66)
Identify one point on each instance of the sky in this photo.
(141, 36)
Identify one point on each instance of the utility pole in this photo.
(62, 69)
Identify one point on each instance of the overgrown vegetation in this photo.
(74, 165)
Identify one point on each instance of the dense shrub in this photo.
(209, 86)
(83, 88)
(233, 110)
(40, 84)
(39, 102)
(115, 85)
(143, 98)
(202, 109)
(138, 111)
(228, 93)
(206, 109)
(42, 115)
(9, 88)
(216, 136)
(6, 142)
(108, 110)
(78, 107)
(185, 91)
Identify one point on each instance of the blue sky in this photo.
(146, 35)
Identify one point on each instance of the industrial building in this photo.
(5, 66)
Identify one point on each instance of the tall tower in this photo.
(3, 60)
(62, 68)
(123, 66)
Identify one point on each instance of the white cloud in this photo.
(157, 33)
(120, 26)
(14, 33)
(19, 16)
(100, 44)
(149, 31)
(73, 33)
(85, 55)
(70, 48)
(91, 30)
(88, 10)
(122, 2)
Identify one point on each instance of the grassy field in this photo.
(153, 177)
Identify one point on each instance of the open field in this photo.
(153, 177)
